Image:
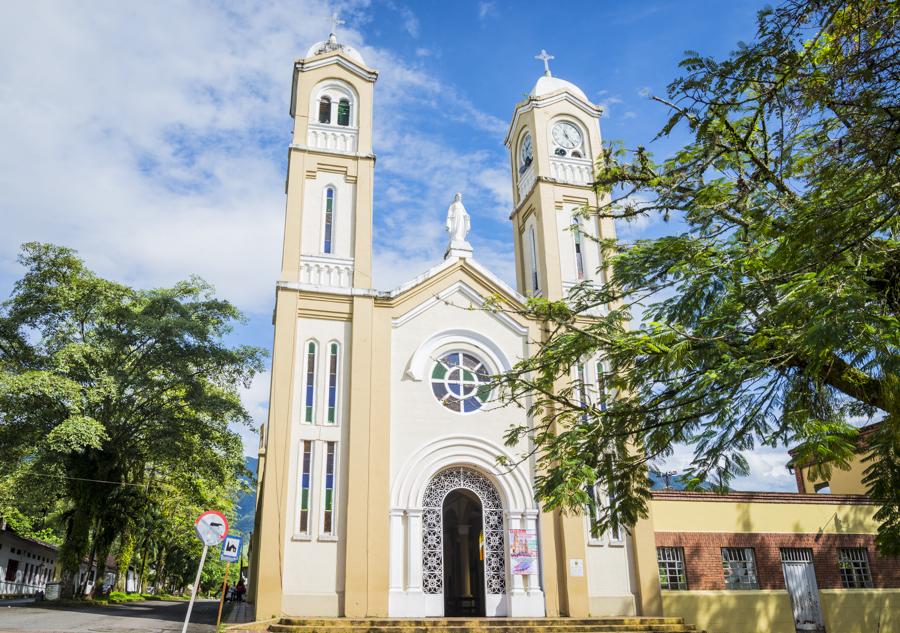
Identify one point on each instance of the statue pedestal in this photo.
(458, 248)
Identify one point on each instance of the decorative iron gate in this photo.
(433, 528)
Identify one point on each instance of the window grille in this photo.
(672, 573)
(739, 566)
(796, 555)
(854, 565)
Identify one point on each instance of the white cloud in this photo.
(486, 9)
(646, 91)
(629, 115)
(768, 468)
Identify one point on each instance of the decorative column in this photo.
(531, 524)
(414, 551)
(514, 521)
(396, 553)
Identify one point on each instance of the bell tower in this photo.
(328, 220)
(554, 143)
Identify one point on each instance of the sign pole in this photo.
(194, 591)
(222, 599)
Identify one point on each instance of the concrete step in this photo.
(597, 628)
(483, 625)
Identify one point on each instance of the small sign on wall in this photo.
(523, 552)
(576, 567)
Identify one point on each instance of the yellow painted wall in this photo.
(861, 610)
(841, 482)
(671, 515)
(762, 611)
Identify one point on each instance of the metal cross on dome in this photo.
(335, 22)
(545, 57)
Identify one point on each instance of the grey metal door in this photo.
(800, 580)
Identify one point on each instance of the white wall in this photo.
(313, 570)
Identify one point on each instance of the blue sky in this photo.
(152, 137)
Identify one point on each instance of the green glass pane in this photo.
(483, 393)
(304, 499)
(309, 413)
(331, 415)
(439, 372)
(468, 376)
(328, 495)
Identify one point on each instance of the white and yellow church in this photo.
(379, 490)
(381, 493)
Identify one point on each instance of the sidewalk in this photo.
(238, 613)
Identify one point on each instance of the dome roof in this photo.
(329, 45)
(547, 84)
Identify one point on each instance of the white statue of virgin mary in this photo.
(458, 225)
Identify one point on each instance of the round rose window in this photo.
(461, 382)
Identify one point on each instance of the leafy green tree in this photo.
(770, 313)
(121, 393)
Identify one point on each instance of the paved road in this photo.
(152, 616)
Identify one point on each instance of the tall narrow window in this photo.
(534, 266)
(305, 481)
(343, 112)
(309, 404)
(602, 394)
(582, 390)
(333, 351)
(328, 525)
(328, 246)
(594, 510)
(325, 110)
(579, 249)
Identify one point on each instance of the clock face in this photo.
(526, 152)
(566, 135)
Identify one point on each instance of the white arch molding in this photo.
(522, 596)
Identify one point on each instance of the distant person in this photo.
(240, 590)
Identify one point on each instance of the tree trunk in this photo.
(123, 559)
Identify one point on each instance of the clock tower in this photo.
(554, 144)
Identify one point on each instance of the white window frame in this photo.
(315, 381)
(334, 214)
(860, 567)
(677, 559)
(737, 557)
(299, 534)
(333, 534)
(337, 384)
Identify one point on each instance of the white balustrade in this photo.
(331, 137)
(575, 171)
(322, 271)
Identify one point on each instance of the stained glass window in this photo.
(333, 352)
(309, 404)
(535, 288)
(328, 526)
(305, 477)
(461, 382)
(343, 112)
(325, 110)
(329, 220)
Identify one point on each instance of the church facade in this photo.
(381, 493)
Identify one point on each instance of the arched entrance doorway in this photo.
(463, 556)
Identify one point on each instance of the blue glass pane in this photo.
(455, 388)
(305, 480)
(471, 404)
(332, 393)
(329, 481)
(439, 390)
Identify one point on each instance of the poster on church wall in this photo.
(523, 552)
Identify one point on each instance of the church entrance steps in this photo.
(484, 625)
